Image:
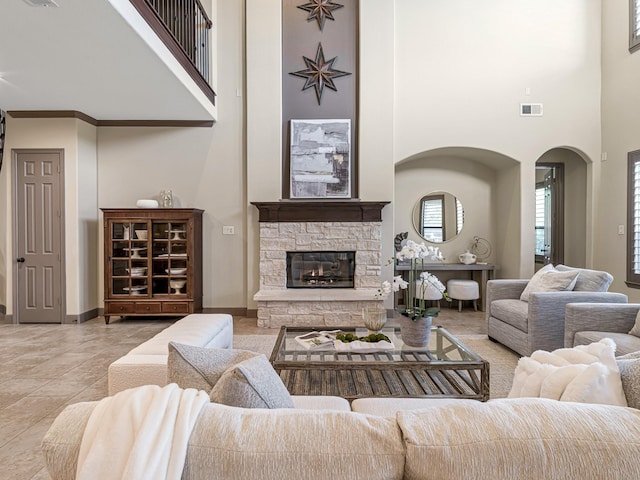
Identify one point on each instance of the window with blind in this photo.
(634, 25)
(633, 220)
(459, 216)
(433, 219)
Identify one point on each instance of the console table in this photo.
(484, 270)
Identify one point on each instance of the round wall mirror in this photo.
(438, 217)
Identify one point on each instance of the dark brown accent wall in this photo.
(339, 39)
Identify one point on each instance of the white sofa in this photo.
(146, 364)
(418, 439)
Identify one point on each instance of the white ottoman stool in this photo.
(464, 290)
(428, 292)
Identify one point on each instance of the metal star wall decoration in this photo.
(319, 73)
(320, 10)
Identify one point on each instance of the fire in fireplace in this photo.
(320, 269)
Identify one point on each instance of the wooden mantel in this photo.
(320, 211)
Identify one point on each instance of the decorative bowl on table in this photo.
(146, 203)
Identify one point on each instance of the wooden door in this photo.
(38, 236)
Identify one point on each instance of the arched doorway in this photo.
(561, 228)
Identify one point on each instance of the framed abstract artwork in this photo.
(320, 159)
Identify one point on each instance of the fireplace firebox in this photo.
(324, 269)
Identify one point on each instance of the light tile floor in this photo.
(44, 368)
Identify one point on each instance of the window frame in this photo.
(424, 227)
(633, 158)
(539, 257)
(634, 39)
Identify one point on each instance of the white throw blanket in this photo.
(140, 434)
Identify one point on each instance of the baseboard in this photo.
(233, 311)
(252, 313)
(4, 318)
(83, 317)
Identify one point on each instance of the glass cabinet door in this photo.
(129, 258)
(170, 258)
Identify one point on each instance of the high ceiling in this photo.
(97, 57)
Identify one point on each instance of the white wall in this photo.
(263, 123)
(459, 80)
(204, 168)
(87, 219)
(75, 138)
(620, 135)
(471, 182)
(461, 77)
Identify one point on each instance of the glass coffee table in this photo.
(445, 368)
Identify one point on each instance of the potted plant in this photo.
(416, 317)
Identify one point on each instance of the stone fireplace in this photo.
(288, 228)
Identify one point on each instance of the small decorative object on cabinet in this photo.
(152, 261)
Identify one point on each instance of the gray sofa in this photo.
(539, 323)
(590, 322)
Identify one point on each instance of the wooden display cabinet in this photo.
(152, 261)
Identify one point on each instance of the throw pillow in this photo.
(629, 366)
(252, 383)
(198, 367)
(635, 330)
(589, 280)
(548, 279)
(586, 374)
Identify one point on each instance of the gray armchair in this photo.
(538, 324)
(590, 322)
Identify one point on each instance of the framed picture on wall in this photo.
(320, 159)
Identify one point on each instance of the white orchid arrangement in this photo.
(419, 251)
(418, 254)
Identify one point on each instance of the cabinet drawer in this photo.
(120, 307)
(176, 307)
(149, 307)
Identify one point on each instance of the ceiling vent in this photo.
(530, 109)
(41, 3)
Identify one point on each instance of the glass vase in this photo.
(374, 318)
